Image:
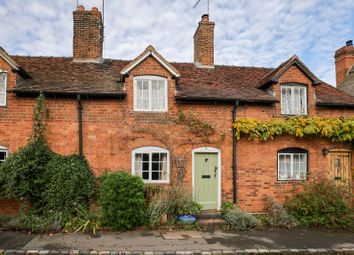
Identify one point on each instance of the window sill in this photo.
(293, 115)
(290, 181)
(156, 182)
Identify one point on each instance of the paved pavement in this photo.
(181, 240)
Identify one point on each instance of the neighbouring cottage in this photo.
(172, 122)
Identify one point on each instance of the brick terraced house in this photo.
(172, 122)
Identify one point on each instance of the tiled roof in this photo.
(60, 75)
(226, 83)
(327, 95)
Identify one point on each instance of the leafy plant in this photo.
(278, 216)
(24, 173)
(69, 182)
(172, 202)
(336, 129)
(121, 199)
(39, 223)
(38, 125)
(322, 204)
(83, 220)
(239, 220)
(226, 206)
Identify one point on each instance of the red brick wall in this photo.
(111, 130)
(344, 59)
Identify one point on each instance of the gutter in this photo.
(234, 154)
(79, 117)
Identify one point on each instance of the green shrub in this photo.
(40, 223)
(322, 204)
(172, 202)
(70, 182)
(23, 174)
(226, 206)
(84, 220)
(122, 201)
(277, 216)
(238, 220)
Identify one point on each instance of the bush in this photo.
(36, 223)
(226, 206)
(23, 174)
(70, 182)
(238, 220)
(172, 201)
(122, 201)
(322, 204)
(278, 216)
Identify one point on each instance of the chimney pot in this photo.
(205, 17)
(80, 8)
(94, 9)
(349, 43)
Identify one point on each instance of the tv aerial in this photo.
(197, 3)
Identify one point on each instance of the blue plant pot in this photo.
(187, 219)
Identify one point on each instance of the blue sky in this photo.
(247, 32)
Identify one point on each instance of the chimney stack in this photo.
(204, 43)
(88, 35)
(344, 59)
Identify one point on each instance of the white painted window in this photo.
(152, 164)
(150, 94)
(3, 87)
(3, 154)
(292, 164)
(293, 100)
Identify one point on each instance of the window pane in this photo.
(303, 101)
(2, 156)
(303, 166)
(151, 166)
(158, 95)
(146, 99)
(139, 95)
(292, 166)
(293, 100)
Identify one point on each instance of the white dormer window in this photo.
(150, 94)
(293, 100)
(3, 87)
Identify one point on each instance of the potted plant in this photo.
(187, 213)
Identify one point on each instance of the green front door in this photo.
(206, 180)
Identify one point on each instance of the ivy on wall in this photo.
(336, 129)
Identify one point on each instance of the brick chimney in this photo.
(204, 43)
(88, 35)
(344, 59)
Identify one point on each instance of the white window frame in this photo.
(292, 87)
(150, 150)
(150, 79)
(5, 101)
(4, 149)
(291, 154)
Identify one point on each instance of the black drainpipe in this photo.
(234, 154)
(79, 112)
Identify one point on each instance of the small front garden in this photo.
(61, 193)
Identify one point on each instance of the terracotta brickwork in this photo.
(204, 43)
(88, 34)
(344, 60)
(112, 129)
